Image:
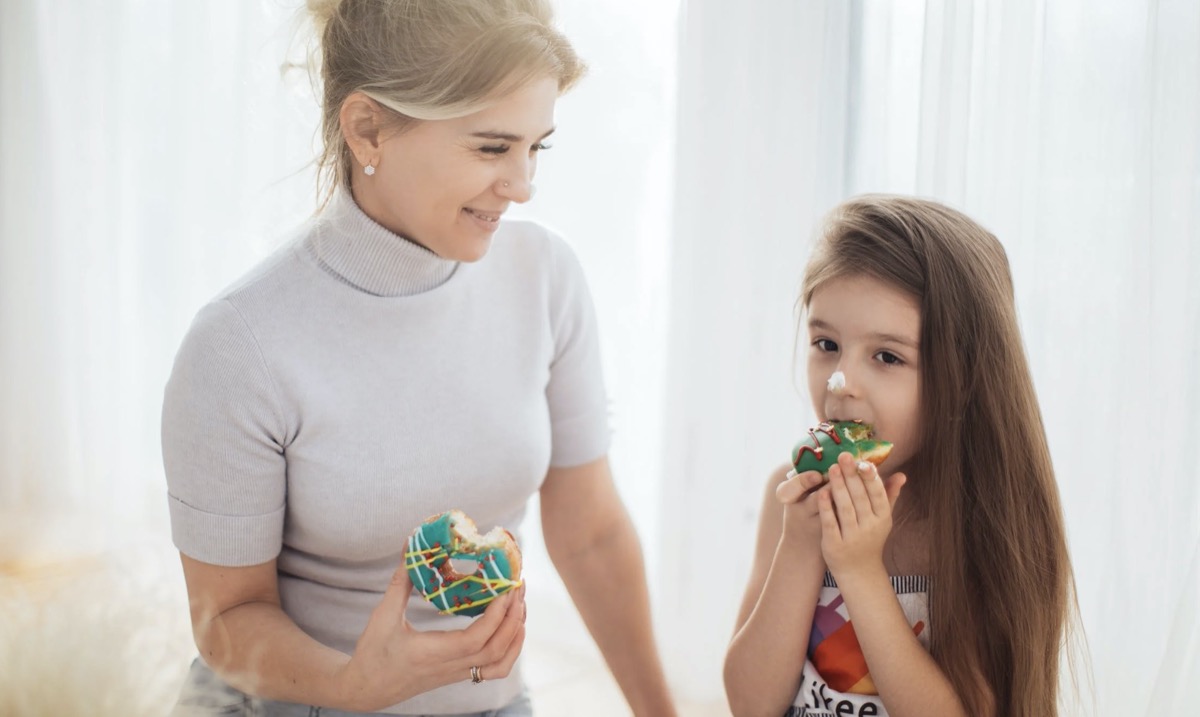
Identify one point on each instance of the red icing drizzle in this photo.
(815, 448)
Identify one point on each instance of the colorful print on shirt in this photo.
(836, 680)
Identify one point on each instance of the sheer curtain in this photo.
(1068, 128)
(150, 152)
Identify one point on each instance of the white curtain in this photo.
(1072, 130)
(150, 152)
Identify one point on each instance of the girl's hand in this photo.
(801, 515)
(393, 662)
(856, 516)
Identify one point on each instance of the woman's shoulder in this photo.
(529, 242)
(532, 237)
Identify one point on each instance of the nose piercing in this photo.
(837, 382)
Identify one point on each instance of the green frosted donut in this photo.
(452, 535)
(819, 450)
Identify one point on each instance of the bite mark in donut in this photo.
(453, 536)
(819, 451)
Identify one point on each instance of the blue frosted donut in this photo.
(453, 536)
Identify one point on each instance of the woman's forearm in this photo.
(766, 657)
(617, 613)
(256, 648)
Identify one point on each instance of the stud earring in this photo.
(369, 170)
(506, 184)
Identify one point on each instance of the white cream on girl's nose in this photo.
(837, 382)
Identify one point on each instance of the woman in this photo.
(405, 354)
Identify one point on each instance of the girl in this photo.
(939, 583)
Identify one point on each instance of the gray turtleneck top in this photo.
(354, 384)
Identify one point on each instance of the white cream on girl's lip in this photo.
(836, 382)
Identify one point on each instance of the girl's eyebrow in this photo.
(508, 136)
(877, 336)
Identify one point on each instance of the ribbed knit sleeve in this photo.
(576, 394)
(222, 437)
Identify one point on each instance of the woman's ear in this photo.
(361, 119)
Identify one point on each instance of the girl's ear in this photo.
(361, 119)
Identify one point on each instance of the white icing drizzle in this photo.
(412, 549)
(499, 575)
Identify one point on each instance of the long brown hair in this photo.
(1002, 589)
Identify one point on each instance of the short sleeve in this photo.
(222, 441)
(578, 401)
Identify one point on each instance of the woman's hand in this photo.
(393, 661)
(856, 516)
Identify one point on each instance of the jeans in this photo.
(206, 695)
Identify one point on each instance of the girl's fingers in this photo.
(855, 486)
(846, 514)
(893, 485)
(876, 491)
(797, 486)
(829, 522)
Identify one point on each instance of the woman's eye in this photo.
(540, 147)
(494, 149)
(889, 358)
(825, 345)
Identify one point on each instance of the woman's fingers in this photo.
(513, 624)
(501, 667)
(390, 611)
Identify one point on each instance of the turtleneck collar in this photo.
(365, 255)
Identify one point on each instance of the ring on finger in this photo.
(476, 675)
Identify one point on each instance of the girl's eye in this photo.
(889, 358)
(540, 147)
(495, 149)
(825, 345)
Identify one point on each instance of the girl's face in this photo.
(445, 183)
(869, 330)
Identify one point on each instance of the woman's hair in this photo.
(429, 59)
(1002, 587)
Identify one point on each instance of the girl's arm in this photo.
(766, 657)
(856, 518)
(247, 639)
(592, 543)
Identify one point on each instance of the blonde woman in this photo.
(407, 352)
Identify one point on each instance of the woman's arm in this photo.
(592, 543)
(856, 518)
(766, 656)
(247, 639)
